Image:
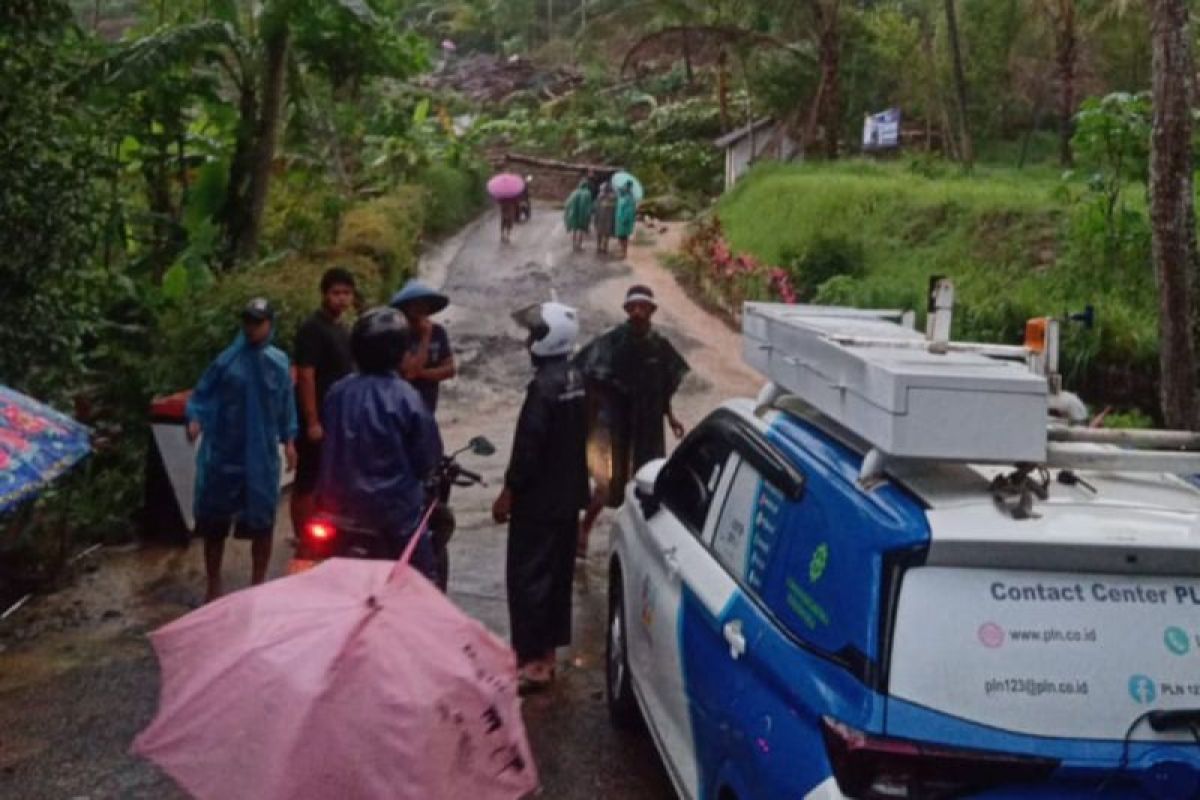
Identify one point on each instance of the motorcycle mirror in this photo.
(480, 446)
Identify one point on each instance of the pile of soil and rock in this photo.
(488, 78)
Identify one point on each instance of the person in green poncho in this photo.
(578, 215)
(626, 216)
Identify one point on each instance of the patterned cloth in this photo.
(37, 445)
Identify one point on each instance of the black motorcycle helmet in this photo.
(377, 340)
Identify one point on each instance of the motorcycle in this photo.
(327, 535)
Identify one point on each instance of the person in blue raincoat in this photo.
(245, 409)
(381, 443)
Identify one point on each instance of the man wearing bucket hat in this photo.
(428, 360)
(633, 372)
(545, 488)
(245, 408)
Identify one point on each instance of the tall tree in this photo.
(1172, 211)
(1062, 16)
(965, 144)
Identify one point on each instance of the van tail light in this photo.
(879, 768)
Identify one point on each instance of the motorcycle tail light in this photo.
(320, 531)
(880, 768)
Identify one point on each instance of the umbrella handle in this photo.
(407, 555)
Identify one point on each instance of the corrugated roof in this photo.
(735, 136)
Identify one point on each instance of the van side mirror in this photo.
(644, 486)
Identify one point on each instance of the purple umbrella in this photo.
(506, 186)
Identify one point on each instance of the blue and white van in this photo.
(786, 629)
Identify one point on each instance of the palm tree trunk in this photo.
(1172, 214)
(1067, 54)
(966, 146)
(270, 116)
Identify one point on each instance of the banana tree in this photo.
(251, 44)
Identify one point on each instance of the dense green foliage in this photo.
(1018, 246)
(126, 169)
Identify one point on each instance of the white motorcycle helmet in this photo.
(553, 328)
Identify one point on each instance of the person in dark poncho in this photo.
(605, 213)
(633, 373)
(545, 489)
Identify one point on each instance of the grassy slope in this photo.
(1009, 239)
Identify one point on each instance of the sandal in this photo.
(534, 679)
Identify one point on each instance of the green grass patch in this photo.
(1018, 244)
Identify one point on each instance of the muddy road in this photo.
(78, 679)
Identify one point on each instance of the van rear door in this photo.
(1060, 654)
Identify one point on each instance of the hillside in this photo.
(1018, 244)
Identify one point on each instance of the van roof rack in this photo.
(921, 396)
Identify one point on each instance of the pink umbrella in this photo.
(506, 186)
(356, 680)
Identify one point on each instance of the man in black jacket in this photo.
(545, 488)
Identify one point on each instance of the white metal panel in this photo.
(905, 400)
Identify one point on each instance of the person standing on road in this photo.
(606, 217)
(245, 409)
(322, 359)
(545, 488)
(626, 217)
(509, 211)
(578, 215)
(633, 373)
(428, 360)
(381, 443)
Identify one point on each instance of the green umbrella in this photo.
(622, 178)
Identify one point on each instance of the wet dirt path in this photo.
(78, 680)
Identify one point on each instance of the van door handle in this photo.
(735, 639)
(671, 562)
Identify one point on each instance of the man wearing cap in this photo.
(322, 359)
(245, 409)
(633, 372)
(428, 360)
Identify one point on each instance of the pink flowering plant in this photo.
(725, 278)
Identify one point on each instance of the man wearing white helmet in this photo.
(545, 489)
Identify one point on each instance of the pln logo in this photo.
(1141, 689)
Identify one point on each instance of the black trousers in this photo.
(540, 569)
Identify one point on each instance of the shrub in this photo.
(388, 231)
(823, 258)
(453, 197)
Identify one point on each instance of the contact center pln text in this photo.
(1095, 592)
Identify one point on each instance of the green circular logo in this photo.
(1177, 640)
(820, 560)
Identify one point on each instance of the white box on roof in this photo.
(897, 395)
